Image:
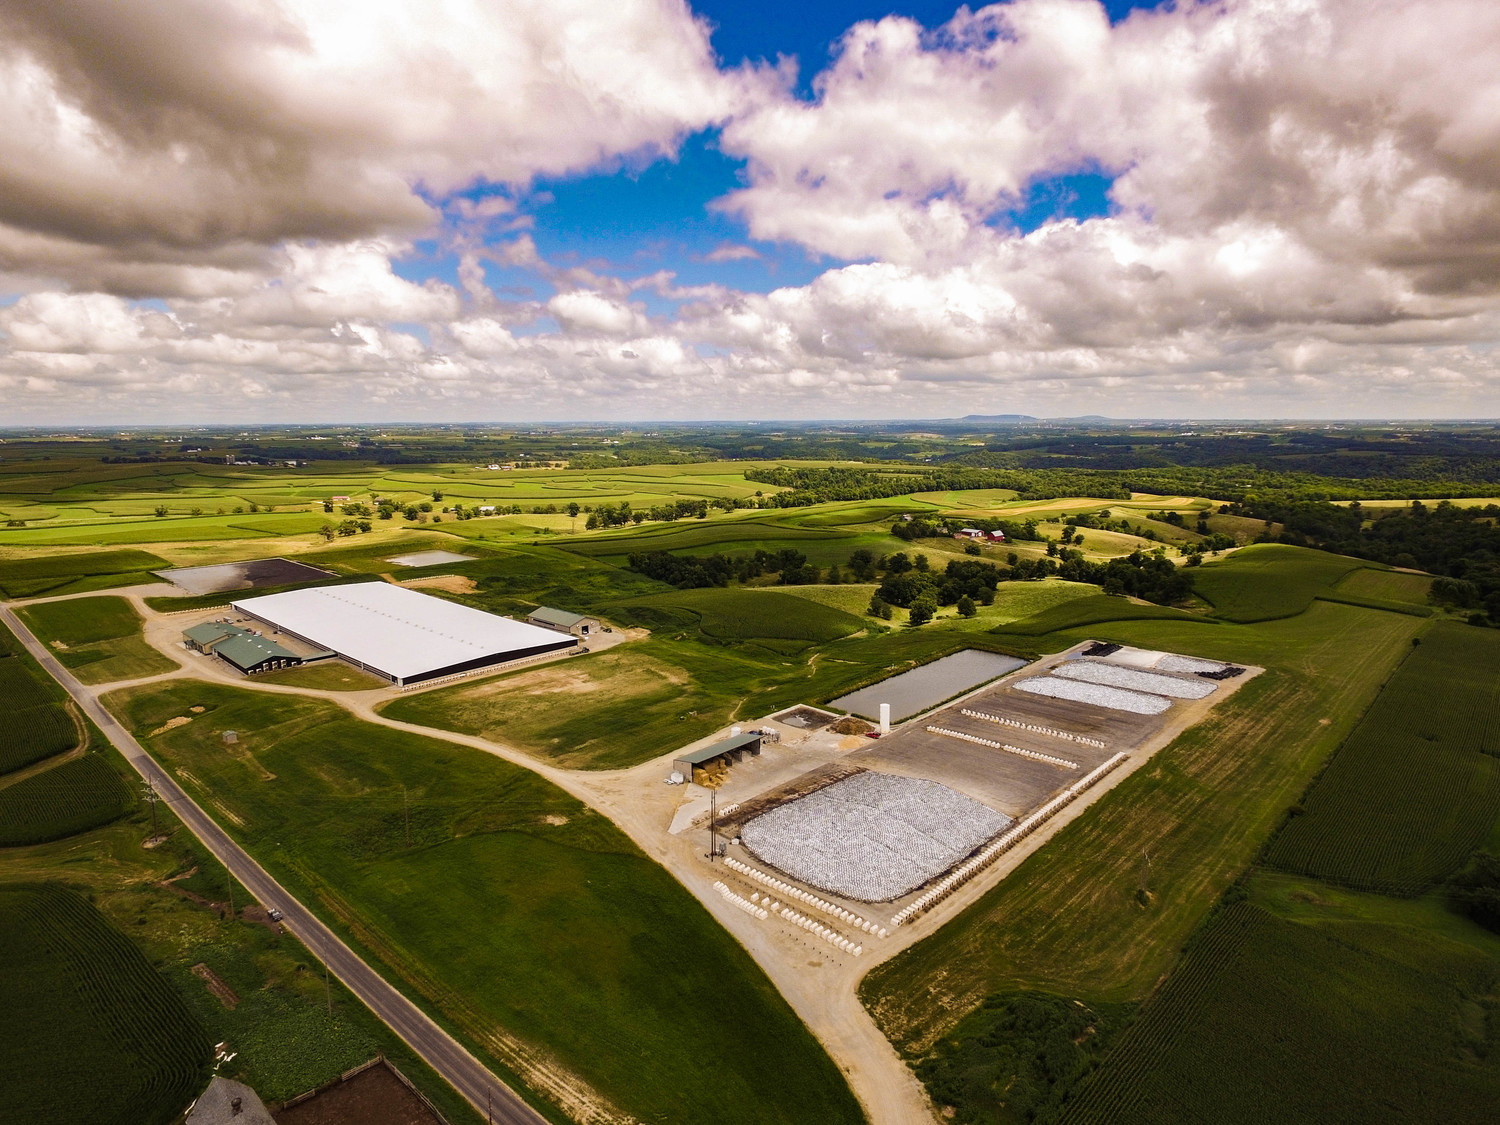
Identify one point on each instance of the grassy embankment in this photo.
(97, 639)
(530, 924)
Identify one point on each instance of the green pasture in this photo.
(325, 675)
(97, 639)
(513, 906)
(1068, 921)
(92, 1032)
(1310, 1021)
(602, 711)
(1416, 788)
(1269, 580)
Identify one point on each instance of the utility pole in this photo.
(149, 793)
(327, 988)
(713, 824)
(489, 1111)
(230, 876)
(406, 812)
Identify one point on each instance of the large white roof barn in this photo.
(400, 634)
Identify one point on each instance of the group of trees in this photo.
(913, 585)
(910, 582)
(688, 572)
(618, 515)
(819, 486)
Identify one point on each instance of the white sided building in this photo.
(404, 635)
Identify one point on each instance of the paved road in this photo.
(466, 1074)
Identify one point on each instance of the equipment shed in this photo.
(730, 749)
(563, 621)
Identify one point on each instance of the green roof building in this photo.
(250, 654)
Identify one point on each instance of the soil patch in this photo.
(222, 991)
(376, 1096)
(452, 583)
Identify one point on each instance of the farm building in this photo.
(970, 533)
(997, 537)
(401, 634)
(730, 750)
(203, 638)
(563, 621)
(243, 649)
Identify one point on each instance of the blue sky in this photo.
(632, 221)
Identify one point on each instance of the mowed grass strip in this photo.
(1268, 580)
(91, 1031)
(97, 639)
(1069, 920)
(32, 577)
(1272, 1020)
(1416, 788)
(532, 923)
(69, 798)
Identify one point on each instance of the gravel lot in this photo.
(1111, 675)
(872, 837)
(1113, 698)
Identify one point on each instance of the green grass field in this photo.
(1068, 921)
(514, 908)
(69, 798)
(1268, 580)
(325, 675)
(1269, 1019)
(97, 639)
(1416, 787)
(91, 1032)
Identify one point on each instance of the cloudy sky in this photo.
(514, 210)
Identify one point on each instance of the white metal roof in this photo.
(401, 632)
